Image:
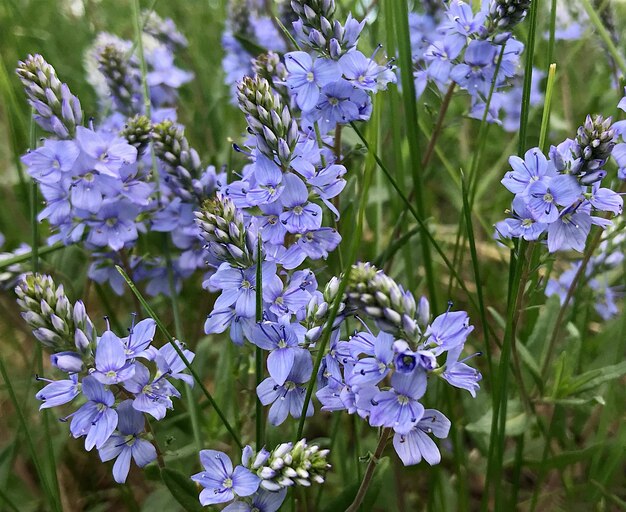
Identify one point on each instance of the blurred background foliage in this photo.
(584, 467)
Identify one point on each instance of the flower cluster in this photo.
(557, 196)
(598, 275)
(382, 377)
(453, 45)
(116, 380)
(261, 482)
(100, 184)
(248, 33)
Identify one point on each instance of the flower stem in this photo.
(369, 472)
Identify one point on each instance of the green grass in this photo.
(556, 440)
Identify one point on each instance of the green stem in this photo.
(356, 240)
(604, 35)
(55, 501)
(369, 472)
(259, 416)
(21, 258)
(180, 353)
(401, 16)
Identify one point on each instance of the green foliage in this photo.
(564, 407)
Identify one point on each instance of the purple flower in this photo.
(300, 215)
(139, 338)
(287, 398)
(569, 231)
(58, 392)
(448, 330)
(416, 444)
(399, 407)
(126, 444)
(318, 243)
(49, 162)
(104, 152)
(543, 195)
(262, 501)
(476, 72)
(111, 364)
(96, 419)
(269, 179)
(460, 375)
(605, 199)
(365, 73)
(371, 370)
(221, 483)
(152, 397)
(523, 223)
(339, 103)
(115, 226)
(170, 363)
(283, 340)
(306, 77)
(527, 171)
(239, 287)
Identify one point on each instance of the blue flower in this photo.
(96, 419)
(115, 226)
(151, 396)
(371, 370)
(523, 223)
(447, 331)
(283, 340)
(139, 338)
(104, 152)
(300, 215)
(476, 72)
(112, 366)
(287, 398)
(58, 392)
(306, 77)
(416, 444)
(52, 160)
(399, 407)
(527, 171)
(262, 501)
(543, 195)
(221, 483)
(126, 443)
(460, 375)
(570, 230)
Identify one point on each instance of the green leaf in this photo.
(182, 488)
(517, 422)
(345, 499)
(592, 379)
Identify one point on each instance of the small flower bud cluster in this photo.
(596, 140)
(269, 66)
(121, 72)
(268, 118)
(56, 323)
(227, 238)
(372, 291)
(57, 110)
(505, 14)
(163, 30)
(137, 132)
(318, 30)
(183, 162)
(289, 464)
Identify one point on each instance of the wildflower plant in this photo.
(251, 294)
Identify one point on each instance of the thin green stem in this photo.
(401, 16)
(369, 472)
(54, 499)
(21, 258)
(259, 416)
(604, 35)
(356, 241)
(417, 217)
(180, 353)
